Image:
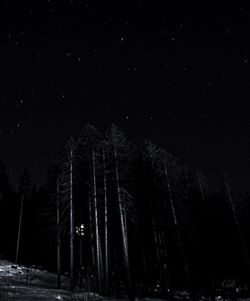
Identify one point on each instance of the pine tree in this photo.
(88, 148)
(120, 150)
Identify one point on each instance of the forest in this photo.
(120, 218)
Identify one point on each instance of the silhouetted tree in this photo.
(24, 194)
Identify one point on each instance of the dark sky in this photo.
(178, 75)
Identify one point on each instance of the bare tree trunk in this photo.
(236, 220)
(156, 243)
(19, 229)
(123, 229)
(166, 274)
(91, 224)
(154, 228)
(201, 188)
(125, 223)
(98, 249)
(105, 221)
(71, 223)
(207, 244)
(58, 234)
(179, 240)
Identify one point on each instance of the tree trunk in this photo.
(201, 189)
(179, 240)
(98, 249)
(105, 221)
(237, 224)
(125, 223)
(58, 234)
(156, 244)
(123, 229)
(206, 244)
(71, 223)
(19, 229)
(91, 225)
(154, 227)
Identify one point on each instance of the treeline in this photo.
(123, 218)
(20, 225)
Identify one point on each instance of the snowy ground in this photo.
(26, 284)
(21, 283)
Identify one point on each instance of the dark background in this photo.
(176, 74)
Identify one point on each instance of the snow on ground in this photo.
(20, 283)
(24, 284)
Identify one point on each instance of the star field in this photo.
(178, 75)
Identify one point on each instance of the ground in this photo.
(20, 283)
(24, 284)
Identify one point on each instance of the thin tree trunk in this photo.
(58, 234)
(92, 235)
(201, 189)
(19, 229)
(125, 223)
(123, 229)
(105, 221)
(206, 243)
(237, 224)
(179, 240)
(154, 228)
(71, 223)
(166, 273)
(156, 243)
(98, 250)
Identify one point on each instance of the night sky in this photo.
(178, 75)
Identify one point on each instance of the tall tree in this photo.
(170, 168)
(88, 148)
(236, 219)
(105, 219)
(58, 234)
(70, 154)
(121, 150)
(24, 194)
(152, 157)
(97, 234)
(206, 240)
